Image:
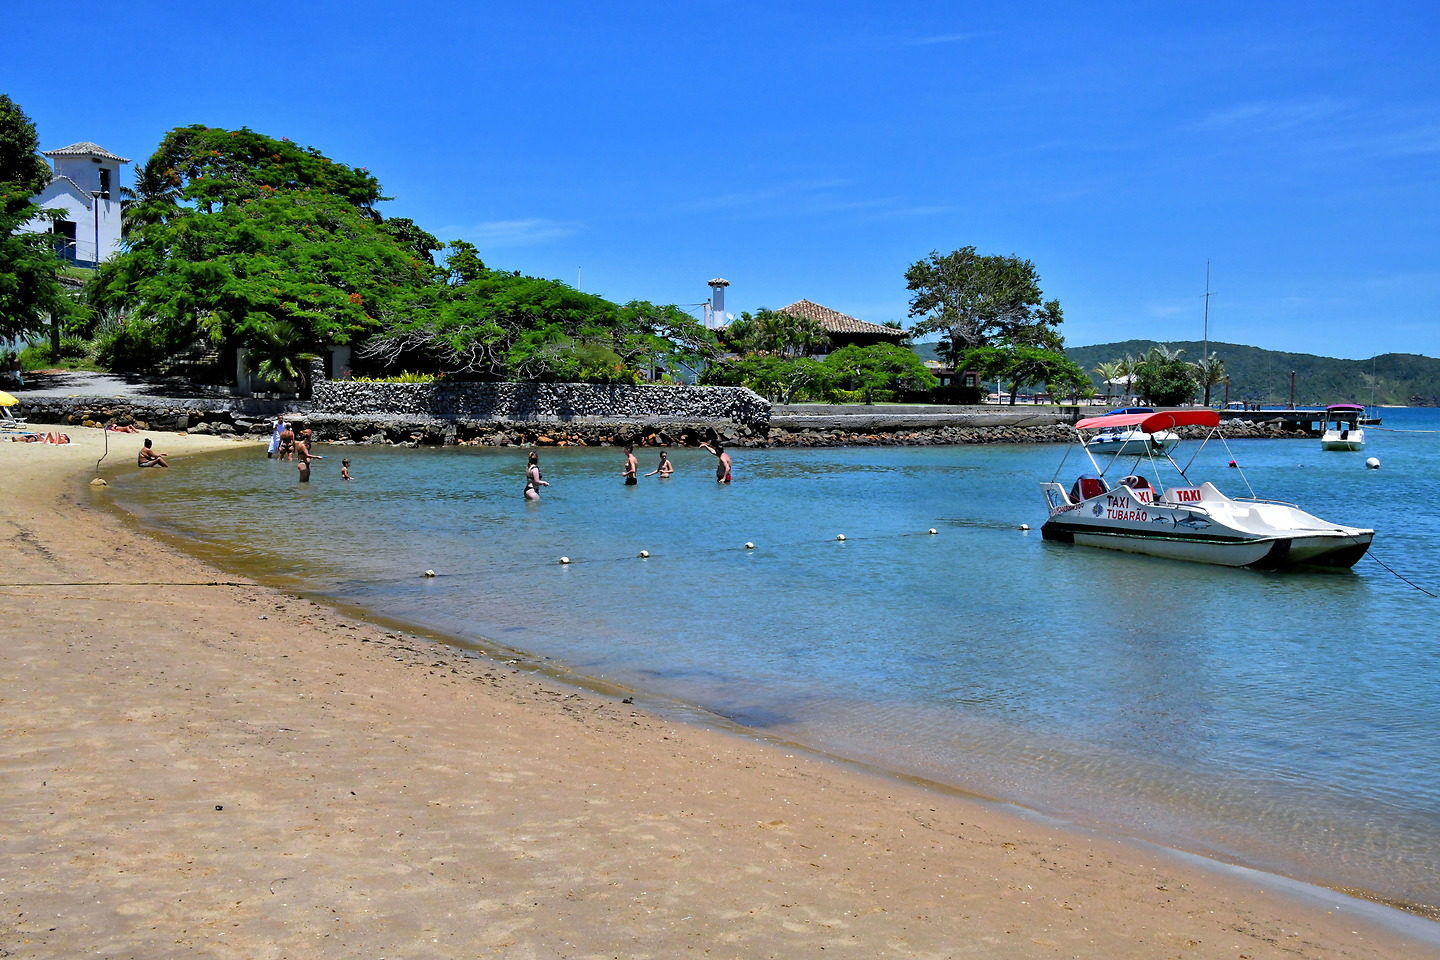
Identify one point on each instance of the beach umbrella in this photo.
(6, 400)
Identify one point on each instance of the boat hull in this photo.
(1336, 550)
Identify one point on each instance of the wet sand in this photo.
(194, 766)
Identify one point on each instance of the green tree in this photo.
(880, 371)
(777, 378)
(978, 301)
(253, 242)
(775, 332)
(494, 325)
(29, 288)
(463, 263)
(212, 167)
(1209, 371)
(1162, 378)
(421, 243)
(1023, 366)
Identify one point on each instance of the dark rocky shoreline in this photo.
(233, 418)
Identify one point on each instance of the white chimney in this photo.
(715, 313)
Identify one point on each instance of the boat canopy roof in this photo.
(1152, 422)
(1345, 408)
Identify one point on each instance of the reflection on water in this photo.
(1285, 720)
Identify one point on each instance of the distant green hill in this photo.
(1264, 375)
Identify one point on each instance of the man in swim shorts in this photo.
(722, 462)
(631, 465)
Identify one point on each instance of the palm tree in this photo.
(1108, 371)
(155, 196)
(1209, 371)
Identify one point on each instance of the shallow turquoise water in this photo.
(1285, 721)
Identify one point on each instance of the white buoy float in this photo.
(1024, 526)
(749, 545)
(839, 536)
(1373, 463)
(933, 531)
(429, 573)
(564, 559)
(644, 554)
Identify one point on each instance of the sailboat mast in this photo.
(1205, 350)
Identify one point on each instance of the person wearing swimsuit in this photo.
(533, 481)
(631, 466)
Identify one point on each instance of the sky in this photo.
(815, 150)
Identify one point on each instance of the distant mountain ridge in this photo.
(1263, 376)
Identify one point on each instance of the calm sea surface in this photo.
(1286, 721)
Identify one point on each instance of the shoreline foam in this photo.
(540, 819)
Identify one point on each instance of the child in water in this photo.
(344, 469)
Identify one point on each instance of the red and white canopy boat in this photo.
(1189, 521)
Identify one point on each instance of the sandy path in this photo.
(221, 771)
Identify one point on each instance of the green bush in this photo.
(136, 345)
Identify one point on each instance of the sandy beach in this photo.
(193, 765)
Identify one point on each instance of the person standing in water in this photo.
(533, 482)
(302, 456)
(722, 461)
(286, 450)
(665, 469)
(631, 466)
(275, 438)
(344, 469)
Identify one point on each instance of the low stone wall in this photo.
(540, 402)
(220, 417)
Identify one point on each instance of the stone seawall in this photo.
(540, 402)
(221, 417)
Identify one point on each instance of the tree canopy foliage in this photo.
(244, 240)
(1022, 366)
(975, 300)
(248, 241)
(775, 333)
(494, 325)
(772, 362)
(29, 288)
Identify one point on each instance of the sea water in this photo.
(1286, 721)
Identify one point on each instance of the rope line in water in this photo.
(1400, 576)
(1401, 430)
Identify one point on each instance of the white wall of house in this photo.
(78, 191)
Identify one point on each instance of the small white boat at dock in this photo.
(1342, 427)
(1190, 521)
(1130, 441)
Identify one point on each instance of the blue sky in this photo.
(815, 150)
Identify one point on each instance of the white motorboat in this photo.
(1130, 441)
(1189, 521)
(1342, 427)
